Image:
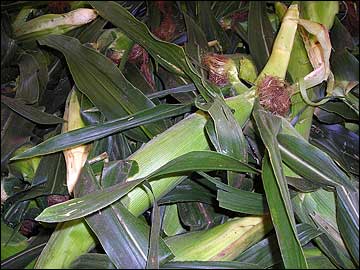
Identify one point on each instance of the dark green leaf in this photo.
(310, 162)
(340, 109)
(276, 190)
(345, 66)
(90, 203)
(119, 240)
(203, 161)
(93, 261)
(238, 200)
(30, 112)
(229, 138)
(291, 251)
(101, 81)
(28, 88)
(348, 219)
(199, 216)
(260, 34)
(209, 265)
(338, 142)
(91, 133)
(303, 184)
(210, 25)
(188, 191)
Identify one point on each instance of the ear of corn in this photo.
(282, 45)
(53, 24)
(221, 243)
(75, 157)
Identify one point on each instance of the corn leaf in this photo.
(101, 81)
(289, 245)
(311, 162)
(209, 265)
(88, 134)
(90, 203)
(348, 219)
(210, 25)
(323, 204)
(92, 261)
(238, 200)
(275, 186)
(261, 40)
(30, 112)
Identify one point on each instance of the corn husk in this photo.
(75, 157)
(53, 24)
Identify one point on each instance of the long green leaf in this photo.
(91, 133)
(348, 219)
(101, 81)
(229, 138)
(308, 160)
(90, 203)
(238, 200)
(261, 39)
(203, 161)
(291, 251)
(277, 192)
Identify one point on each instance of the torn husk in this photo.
(74, 157)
